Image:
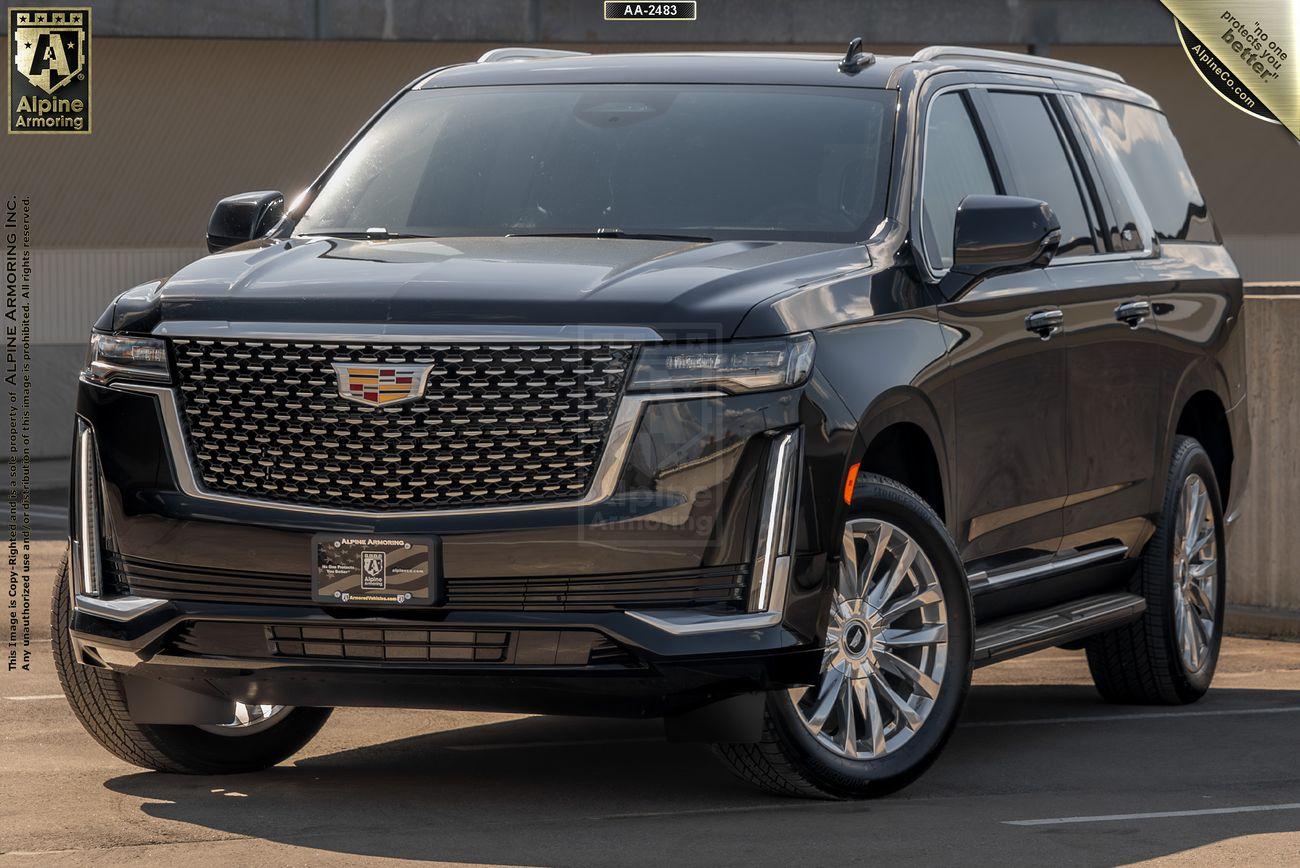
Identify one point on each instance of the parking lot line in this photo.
(1150, 715)
(1155, 815)
(33, 698)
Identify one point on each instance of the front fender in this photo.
(892, 371)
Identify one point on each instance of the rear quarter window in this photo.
(1154, 162)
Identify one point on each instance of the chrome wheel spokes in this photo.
(1196, 574)
(249, 719)
(886, 645)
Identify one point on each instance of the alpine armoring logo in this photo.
(49, 77)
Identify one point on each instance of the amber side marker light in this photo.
(849, 482)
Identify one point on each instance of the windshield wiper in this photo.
(375, 234)
(613, 233)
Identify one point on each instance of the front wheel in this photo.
(257, 736)
(895, 666)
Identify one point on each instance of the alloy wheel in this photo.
(249, 719)
(1196, 574)
(886, 646)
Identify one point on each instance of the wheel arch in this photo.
(900, 437)
(1200, 409)
(1204, 417)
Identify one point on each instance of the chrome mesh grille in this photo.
(496, 424)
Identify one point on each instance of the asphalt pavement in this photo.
(1040, 771)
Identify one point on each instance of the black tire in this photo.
(789, 760)
(1140, 663)
(98, 700)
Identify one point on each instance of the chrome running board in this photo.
(1022, 634)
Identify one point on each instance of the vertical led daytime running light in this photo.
(88, 513)
(775, 528)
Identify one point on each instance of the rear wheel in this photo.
(895, 665)
(256, 737)
(1168, 656)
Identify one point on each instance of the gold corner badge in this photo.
(1242, 49)
(49, 77)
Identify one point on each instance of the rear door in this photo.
(1008, 382)
(1112, 390)
(1194, 287)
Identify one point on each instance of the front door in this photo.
(1008, 382)
(1009, 386)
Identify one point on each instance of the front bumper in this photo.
(612, 663)
(692, 500)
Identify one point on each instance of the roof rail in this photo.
(525, 53)
(946, 52)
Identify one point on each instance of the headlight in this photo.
(121, 357)
(728, 366)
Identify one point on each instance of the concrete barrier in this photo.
(1264, 589)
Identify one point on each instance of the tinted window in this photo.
(955, 167)
(1154, 162)
(1038, 167)
(1124, 230)
(709, 160)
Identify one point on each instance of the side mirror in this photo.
(997, 235)
(241, 218)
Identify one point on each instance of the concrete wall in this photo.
(71, 288)
(1265, 550)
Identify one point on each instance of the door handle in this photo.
(1044, 323)
(1133, 312)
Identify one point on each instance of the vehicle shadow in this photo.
(548, 790)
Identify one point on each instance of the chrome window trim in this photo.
(404, 333)
(914, 214)
(1121, 256)
(604, 479)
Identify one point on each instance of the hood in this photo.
(680, 289)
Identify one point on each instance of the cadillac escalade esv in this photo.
(766, 394)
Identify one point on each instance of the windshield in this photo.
(707, 161)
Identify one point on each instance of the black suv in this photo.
(769, 394)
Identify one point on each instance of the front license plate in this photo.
(359, 570)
